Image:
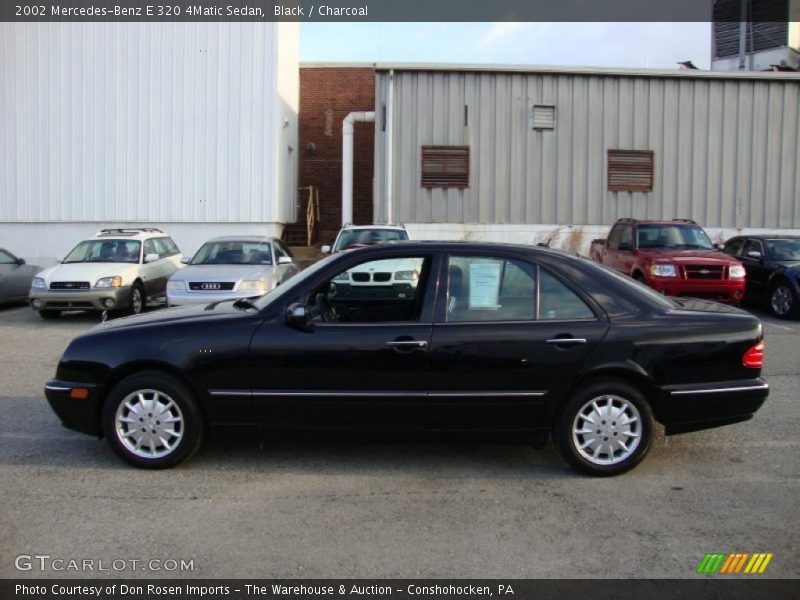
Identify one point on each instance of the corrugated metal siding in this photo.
(726, 150)
(156, 123)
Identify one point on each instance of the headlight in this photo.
(176, 284)
(256, 285)
(38, 283)
(342, 276)
(663, 270)
(107, 282)
(737, 272)
(406, 276)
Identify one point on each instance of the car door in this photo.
(361, 361)
(755, 264)
(16, 277)
(508, 335)
(153, 273)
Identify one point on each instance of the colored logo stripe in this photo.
(722, 562)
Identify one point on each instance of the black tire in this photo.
(50, 314)
(135, 306)
(615, 394)
(640, 278)
(782, 299)
(188, 431)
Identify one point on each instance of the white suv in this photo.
(118, 269)
(356, 236)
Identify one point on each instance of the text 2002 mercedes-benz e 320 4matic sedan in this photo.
(516, 340)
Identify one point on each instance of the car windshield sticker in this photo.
(484, 285)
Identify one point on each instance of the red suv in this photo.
(675, 258)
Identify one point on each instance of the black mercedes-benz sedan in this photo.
(772, 264)
(519, 341)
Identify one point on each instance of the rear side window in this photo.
(501, 289)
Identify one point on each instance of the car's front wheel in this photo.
(782, 300)
(152, 420)
(136, 300)
(606, 428)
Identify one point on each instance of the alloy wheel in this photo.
(149, 423)
(607, 430)
(781, 300)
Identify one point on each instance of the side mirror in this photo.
(186, 260)
(754, 254)
(720, 247)
(297, 316)
(152, 257)
(624, 247)
(284, 260)
(326, 249)
(20, 261)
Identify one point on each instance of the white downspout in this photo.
(389, 141)
(347, 161)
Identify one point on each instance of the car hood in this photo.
(170, 315)
(90, 272)
(225, 272)
(707, 257)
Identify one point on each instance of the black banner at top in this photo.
(142, 11)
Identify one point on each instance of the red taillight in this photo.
(754, 357)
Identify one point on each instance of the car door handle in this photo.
(401, 345)
(566, 341)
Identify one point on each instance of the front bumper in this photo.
(730, 290)
(78, 414)
(693, 407)
(93, 299)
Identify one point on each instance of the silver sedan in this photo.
(232, 267)
(15, 277)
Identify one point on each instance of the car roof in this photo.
(116, 234)
(242, 238)
(462, 246)
(393, 227)
(765, 236)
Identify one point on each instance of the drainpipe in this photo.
(389, 136)
(743, 35)
(347, 161)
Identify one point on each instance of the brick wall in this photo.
(327, 96)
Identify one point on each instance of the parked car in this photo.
(118, 270)
(232, 267)
(15, 277)
(515, 340)
(772, 263)
(357, 236)
(675, 258)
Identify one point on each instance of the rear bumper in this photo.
(687, 408)
(78, 414)
(731, 290)
(93, 299)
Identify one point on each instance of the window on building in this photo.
(445, 166)
(630, 170)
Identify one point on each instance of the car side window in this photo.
(626, 238)
(6, 258)
(150, 247)
(558, 302)
(278, 251)
(376, 291)
(733, 247)
(171, 246)
(752, 246)
(284, 249)
(481, 288)
(613, 237)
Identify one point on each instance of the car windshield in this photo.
(288, 286)
(110, 251)
(681, 237)
(234, 253)
(784, 250)
(368, 237)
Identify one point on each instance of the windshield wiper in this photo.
(244, 304)
(213, 305)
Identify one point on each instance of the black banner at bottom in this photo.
(401, 589)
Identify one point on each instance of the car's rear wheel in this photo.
(782, 300)
(606, 428)
(50, 314)
(152, 420)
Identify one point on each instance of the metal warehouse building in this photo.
(505, 152)
(191, 127)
